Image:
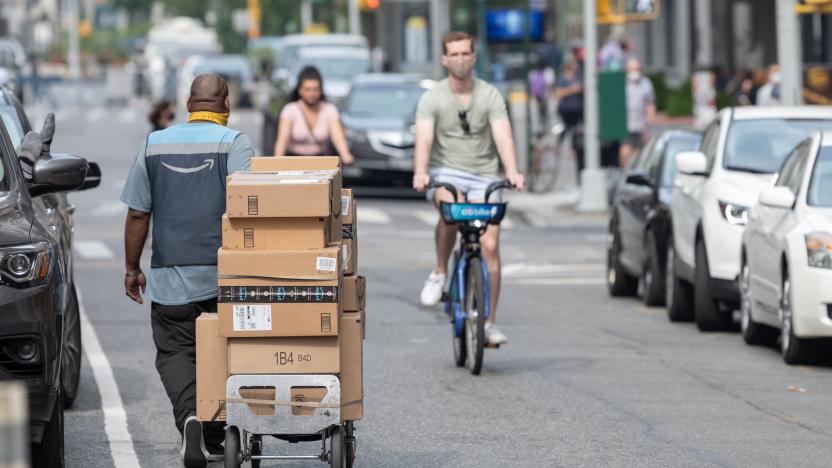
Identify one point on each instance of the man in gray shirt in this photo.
(462, 135)
(641, 109)
(178, 180)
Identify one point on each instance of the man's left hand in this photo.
(517, 180)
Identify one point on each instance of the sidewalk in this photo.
(554, 209)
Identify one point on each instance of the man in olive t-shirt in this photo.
(462, 135)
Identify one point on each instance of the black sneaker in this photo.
(194, 454)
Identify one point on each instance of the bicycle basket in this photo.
(491, 213)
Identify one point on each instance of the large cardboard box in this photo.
(297, 355)
(211, 368)
(295, 163)
(277, 233)
(352, 367)
(310, 264)
(349, 221)
(354, 292)
(255, 307)
(297, 194)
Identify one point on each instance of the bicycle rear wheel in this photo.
(475, 312)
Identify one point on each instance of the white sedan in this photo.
(786, 269)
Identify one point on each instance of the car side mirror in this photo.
(93, 178)
(638, 178)
(692, 163)
(777, 197)
(57, 173)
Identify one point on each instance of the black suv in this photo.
(40, 331)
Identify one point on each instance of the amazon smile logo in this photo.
(209, 163)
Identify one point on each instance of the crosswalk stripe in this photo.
(372, 215)
(93, 250)
(428, 217)
(556, 281)
(535, 270)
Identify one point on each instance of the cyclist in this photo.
(462, 134)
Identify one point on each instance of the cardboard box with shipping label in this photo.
(352, 367)
(211, 368)
(296, 355)
(295, 163)
(350, 231)
(283, 195)
(276, 233)
(310, 264)
(353, 293)
(252, 307)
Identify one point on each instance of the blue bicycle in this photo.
(467, 296)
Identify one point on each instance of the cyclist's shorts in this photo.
(471, 185)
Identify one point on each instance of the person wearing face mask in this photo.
(309, 123)
(769, 93)
(641, 110)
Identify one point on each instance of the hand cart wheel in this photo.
(350, 441)
(256, 448)
(233, 453)
(337, 448)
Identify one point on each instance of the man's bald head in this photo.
(209, 92)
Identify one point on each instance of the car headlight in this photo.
(24, 266)
(357, 136)
(734, 214)
(819, 249)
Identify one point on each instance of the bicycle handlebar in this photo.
(492, 187)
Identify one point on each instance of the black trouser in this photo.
(174, 333)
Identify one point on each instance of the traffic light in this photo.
(369, 5)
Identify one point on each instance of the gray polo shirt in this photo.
(180, 284)
(639, 95)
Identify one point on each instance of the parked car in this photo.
(40, 331)
(235, 69)
(639, 227)
(379, 118)
(290, 45)
(741, 151)
(786, 258)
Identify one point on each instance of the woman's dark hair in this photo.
(308, 73)
(156, 112)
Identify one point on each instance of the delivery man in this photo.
(178, 180)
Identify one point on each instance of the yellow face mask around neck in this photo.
(215, 117)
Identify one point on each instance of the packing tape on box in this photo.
(278, 294)
(300, 404)
(284, 278)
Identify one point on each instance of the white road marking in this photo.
(596, 238)
(110, 208)
(557, 281)
(115, 418)
(94, 115)
(428, 217)
(127, 115)
(535, 270)
(372, 215)
(93, 250)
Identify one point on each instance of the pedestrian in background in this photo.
(308, 123)
(178, 180)
(162, 115)
(641, 110)
(541, 80)
(769, 93)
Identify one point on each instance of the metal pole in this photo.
(305, 15)
(593, 181)
(73, 54)
(355, 16)
(483, 60)
(436, 37)
(789, 53)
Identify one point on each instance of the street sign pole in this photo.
(789, 53)
(593, 182)
(73, 54)
(355, 16)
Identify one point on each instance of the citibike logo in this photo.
(478, 211)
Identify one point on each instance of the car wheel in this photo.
(677, 292)
(653, 279)
(753, 333)
(793, 349)
(705, 308)
(619, 282)
(50, 452)
(71, 356)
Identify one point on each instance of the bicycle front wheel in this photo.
(475, 312)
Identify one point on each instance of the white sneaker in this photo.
(193, 453)
(432, 291)
(493, 335)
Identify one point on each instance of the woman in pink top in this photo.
(308, 123)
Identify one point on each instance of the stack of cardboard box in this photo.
(289, 297)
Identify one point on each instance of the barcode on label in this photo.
(345, 204)
(252, 205)
(248, 238)
(252, 317)
(327, 264)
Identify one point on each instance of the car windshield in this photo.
(231, 68)
(399, 101)
(677, 144)
(761, 145)
(336, 68)
(820, 186)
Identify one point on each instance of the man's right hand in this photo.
(421, 182)
(135, 285)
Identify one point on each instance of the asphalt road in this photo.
(584, 381)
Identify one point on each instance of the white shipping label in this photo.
(285, 173)
(252, 317)
(298, 181)
(345, 204)
(327, 264)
